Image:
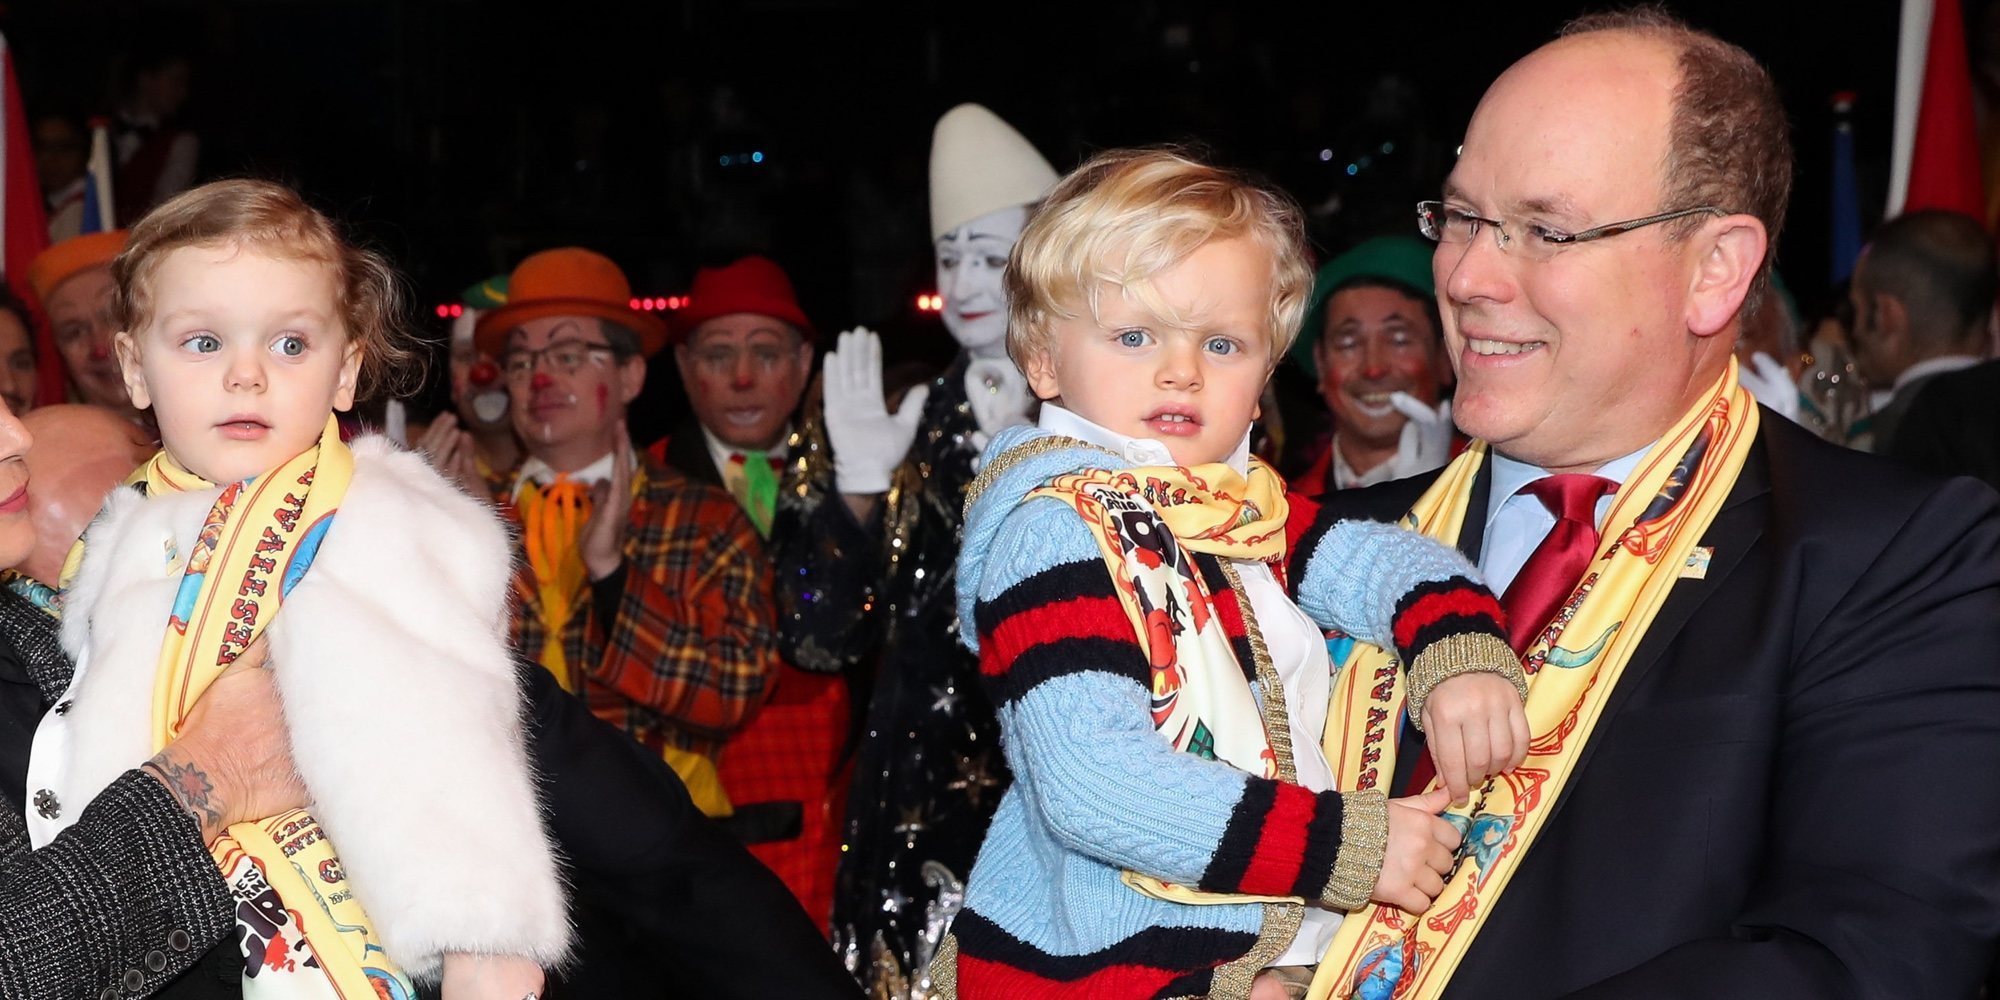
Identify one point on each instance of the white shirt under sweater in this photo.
(1297, 648)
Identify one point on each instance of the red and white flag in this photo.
(1935, 160)
(24, 219)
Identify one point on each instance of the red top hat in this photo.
(568, 281)
(750, 285)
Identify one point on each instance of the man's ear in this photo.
(1731, 253)
(350, 378)
(1040, 367)
(631, 378)
(1891, 329)
(127, 350)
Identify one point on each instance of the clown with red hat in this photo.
(744, 349)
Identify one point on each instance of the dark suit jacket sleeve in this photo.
(1884, 860)
(722, 924)
(86, 912)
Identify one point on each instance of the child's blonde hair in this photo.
(1128, 214)
(274, 220)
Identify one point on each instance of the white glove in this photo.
(868, 441)
(1426, 440)
(1770, 384)
(998, 393)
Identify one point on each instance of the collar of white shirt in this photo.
(1138, 451)
(1517, 522)
(1344, 476)
(720, 453)
(1935, 366)
(542, 473)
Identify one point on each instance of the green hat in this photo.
(488, 294)
(1403, 260)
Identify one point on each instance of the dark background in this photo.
(461, 136)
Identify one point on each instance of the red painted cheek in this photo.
(603, 398)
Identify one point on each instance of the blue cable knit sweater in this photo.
(1097, 791)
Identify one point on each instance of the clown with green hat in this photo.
(474, 442)
(1373, 344)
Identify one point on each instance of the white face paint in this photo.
(971, 261)
(490, 407)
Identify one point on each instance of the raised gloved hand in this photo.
(1770, 384)
(998, 393)
(868, 441)
(1426, 440)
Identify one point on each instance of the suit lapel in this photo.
(1472, 534)
(1734, 532)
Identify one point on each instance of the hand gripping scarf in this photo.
(302, 932)
(1147, 520)
(1650, 535)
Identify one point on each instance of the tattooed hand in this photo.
(232, 762)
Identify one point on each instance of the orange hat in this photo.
(63, 261)
(568, 281)
(750, 285)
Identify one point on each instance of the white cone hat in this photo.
(979, 164)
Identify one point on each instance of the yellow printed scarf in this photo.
(294, 907)
(1200, 702)
(1649, 536)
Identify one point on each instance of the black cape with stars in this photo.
(928, 770)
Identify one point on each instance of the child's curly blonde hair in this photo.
(273, 219)
(1125, 216)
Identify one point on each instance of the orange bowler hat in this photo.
(63, 261)
(567, 281)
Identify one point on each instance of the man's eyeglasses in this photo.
(565, 357)
(1448, 224)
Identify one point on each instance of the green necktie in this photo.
(759, 496)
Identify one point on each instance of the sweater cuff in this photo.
(1364, 842)
(1465, 653)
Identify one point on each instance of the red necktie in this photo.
(1549, 575)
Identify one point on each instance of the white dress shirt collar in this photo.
(1138, 451)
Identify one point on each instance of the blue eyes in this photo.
(1213, 345)
(287, 346)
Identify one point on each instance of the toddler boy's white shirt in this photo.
(1296, 646)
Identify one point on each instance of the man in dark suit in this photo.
(1787, 789)
(1952, 427)
(1923, 300)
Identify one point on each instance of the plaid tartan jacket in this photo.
(685, 659)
